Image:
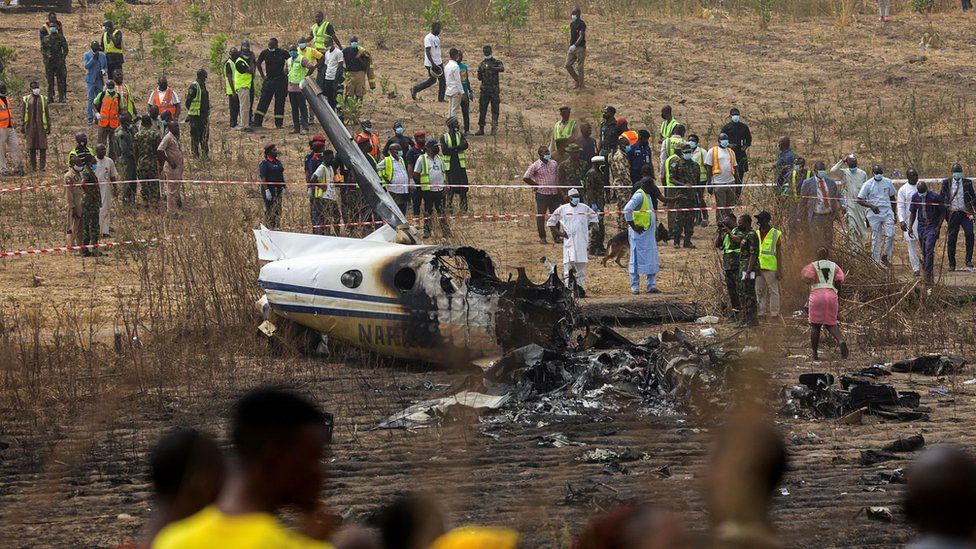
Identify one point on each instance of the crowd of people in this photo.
(279, 439)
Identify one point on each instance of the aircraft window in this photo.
(405, 279)
(351, 279)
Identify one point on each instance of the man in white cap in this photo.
(852, 179)
(573, 221)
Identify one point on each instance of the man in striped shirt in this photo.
(542, 175)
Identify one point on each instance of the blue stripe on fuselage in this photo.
(331, 311)
(308, 290)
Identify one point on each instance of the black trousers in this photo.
(466, 113)
(331, 90)
(431, 79)
(234, 104)
(732, 286)
(484, 100)
(271, 195)
(545, 204)
(402, 201)
(434, 201)
(276, 87)
(415, 200)
(959, 220)
(199, 136)
(299, 110)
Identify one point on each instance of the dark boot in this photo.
(481, 131)
(33, 160)
(43, 159)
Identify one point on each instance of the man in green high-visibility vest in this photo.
(198, 115)
(770, 263)
(322, 29)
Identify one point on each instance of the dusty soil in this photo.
(79, 479)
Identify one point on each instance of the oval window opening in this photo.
(351, 279)
(405, 279)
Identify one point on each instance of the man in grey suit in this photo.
(818, 207)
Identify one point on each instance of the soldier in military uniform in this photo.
(572, 171)
(488, 71)
(595, 194)
(83, 209)
(146, 141)
(54, 50)
(749, 267)
(123, 145)
(680, 177)
(609, 132)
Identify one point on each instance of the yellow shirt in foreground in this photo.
(211, 529)
(477, 537)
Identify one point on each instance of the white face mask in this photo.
(36, 91)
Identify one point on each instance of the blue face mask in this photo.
(852, 170)
(686, 156)
(293, 54)
(723, 143)
(957, 175)
(736, 118)
(400, 153)
(693, 145)
(627, 148)
(822, 174)
(575, 17)
(354, 44)
(302, 46)
(547, 157)
(574, 201)
(878, 177)
(399, 131)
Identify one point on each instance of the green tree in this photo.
(436, 11)
(119, 14)
(764, 9)
(164, 51)
(218, 44)
(6, 56)
(514, 14)
(199, 18)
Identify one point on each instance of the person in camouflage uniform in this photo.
(91, 202)
(682, 176)
(728, 238)
(488, 71)
(748, 267)
(54, 50)
(609, 132)
(123, 145)
(619, 169)
(572, 171)
(595, 194)
(146, 141)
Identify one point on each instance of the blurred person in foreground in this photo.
(825, 278)
(941, 497)
(280, 440)
(634, 527)
(412, 521)
(187, 472)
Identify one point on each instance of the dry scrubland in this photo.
(99, 356)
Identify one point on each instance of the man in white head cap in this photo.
(851, 179)
(573, 221)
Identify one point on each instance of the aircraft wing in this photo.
(346, 149)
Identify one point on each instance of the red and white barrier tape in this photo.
(92, 247)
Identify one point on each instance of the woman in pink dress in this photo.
(825, 278)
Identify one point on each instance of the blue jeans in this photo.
(93, 90)
(635, 281)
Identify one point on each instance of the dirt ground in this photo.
(78, 479)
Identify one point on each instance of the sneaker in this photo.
(952, 267)
(689, 245)
(677, 245)
(969, 264)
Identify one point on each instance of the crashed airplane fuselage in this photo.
(434, 303)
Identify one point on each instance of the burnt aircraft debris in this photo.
(817, 396)
(931, 365)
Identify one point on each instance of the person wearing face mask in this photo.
(957, 192)
(670, 146)
(609, 133)
(927, 210)
(770, 266)
(86, 205)
(455, 88)
(393, 174)
(145, 142)
(230, 86)
(198, 115)
(123, 143)
(272, 174)
(595, 193)
(563, 132)
(681, 174)
(96, 67)
(571, 172)
(698, 155)
(625, 131)
(852, 179)
(878, 196)
(795, 177)
(543, 176)
(905, 194)
(411, 156)
(819, 204)
(81, 147)
(246, 67)
(112, 46)
(639, 154)
(576, 56)
(490, 91)
(298, 68)
(37, 126)
(641, 232)
(358, 69)
(400, 138)
(433, 63)
(54, 51)
(319, 174)
(330, 77)
(572, 223)
(740, 139)
(9, 143)
(52, 23)
(271, 67)
(107, 175)
(371, 138)
(165, 99)
(125, 95)
(722, 171)
(313, 55)
(619, 166)
(429, 168)
(453, 145)
(107, 113)
(171, 163)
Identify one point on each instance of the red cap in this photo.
(621, 121)
(419, 133)
(318, 138)
(269, 146)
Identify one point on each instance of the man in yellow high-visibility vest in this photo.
(641, 221)
(770, 261)
(564, 132)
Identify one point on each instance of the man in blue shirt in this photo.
(272, 175)
(639, 155)
(96, 67)
(928, 209)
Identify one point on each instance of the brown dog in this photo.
(619, 245)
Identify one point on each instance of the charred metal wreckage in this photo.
(386, 293)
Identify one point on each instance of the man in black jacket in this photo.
(740, 139)
(960, 201)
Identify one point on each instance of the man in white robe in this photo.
(574, 221)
